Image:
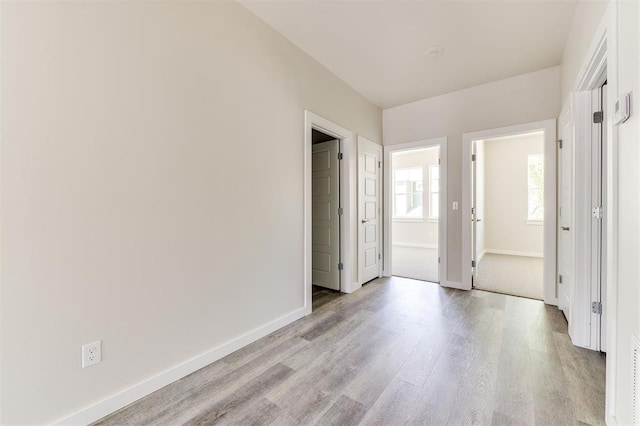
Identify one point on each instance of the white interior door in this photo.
(325, 218)
(369, 208)
(474, 215)
(565, 215)
(479, 195)
(603, 237)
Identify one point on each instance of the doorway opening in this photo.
(326, 261)
(415, 176)
(415, 237)
(528, 209)
(338, 242)
(508, 214)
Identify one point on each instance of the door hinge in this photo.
(340, 266)
(560, 279)
(597, 212)
(340, 211)
(596, 308)
(559, 142)
(379, 256)
(379, 164)
(438, 161)
(473, 263)
(473, 210)
(598, 117)
(473, 157)
(339, 156)
(438, 260)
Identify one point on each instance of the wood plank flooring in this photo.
(396, 352)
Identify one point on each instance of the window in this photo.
(434, 191)
(407, 184)
(535, 175)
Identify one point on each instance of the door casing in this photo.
(348, 193)
(549, 128)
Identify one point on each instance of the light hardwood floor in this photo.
(395, 352)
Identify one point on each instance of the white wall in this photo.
(151, 189)
(624, 77)
(523, 99)
(587, 18)
(506, 203)
(425, 231)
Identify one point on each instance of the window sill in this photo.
(408, 220)
(535, 222)
(432, 220)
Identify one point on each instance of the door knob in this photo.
(364, 220)
(565, 228)
(478, 220)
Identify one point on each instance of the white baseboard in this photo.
(514, 253)
(481, 256)
(123, 398)
(453, 284)
(415, 245)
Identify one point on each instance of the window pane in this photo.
(402, 174)
(435, 205)
(408, 187)
(535, 182)
(400, 206)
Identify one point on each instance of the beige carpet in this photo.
(515, 275)
(416, 263)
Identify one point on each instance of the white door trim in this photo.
(442, 223)
(549, 128)
(347, 201)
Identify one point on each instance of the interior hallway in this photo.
(398, 351)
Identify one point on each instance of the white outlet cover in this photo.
(91, 354)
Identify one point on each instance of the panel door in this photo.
(325, 220)
(565, 216)
(369, 221)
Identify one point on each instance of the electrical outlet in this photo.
(91, 354)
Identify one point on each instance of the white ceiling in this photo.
(378, 47)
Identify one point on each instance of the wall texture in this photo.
(423, 232)
(506, 202)
(523, 99)
(151, 189)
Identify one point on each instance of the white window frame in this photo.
(395, 194)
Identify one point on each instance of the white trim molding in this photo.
(415, 245)
(549, 129)
(510, 253)
(139, 390)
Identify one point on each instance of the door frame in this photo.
(549, 249)
(442, 220)
(347, 202)
(587, 325)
